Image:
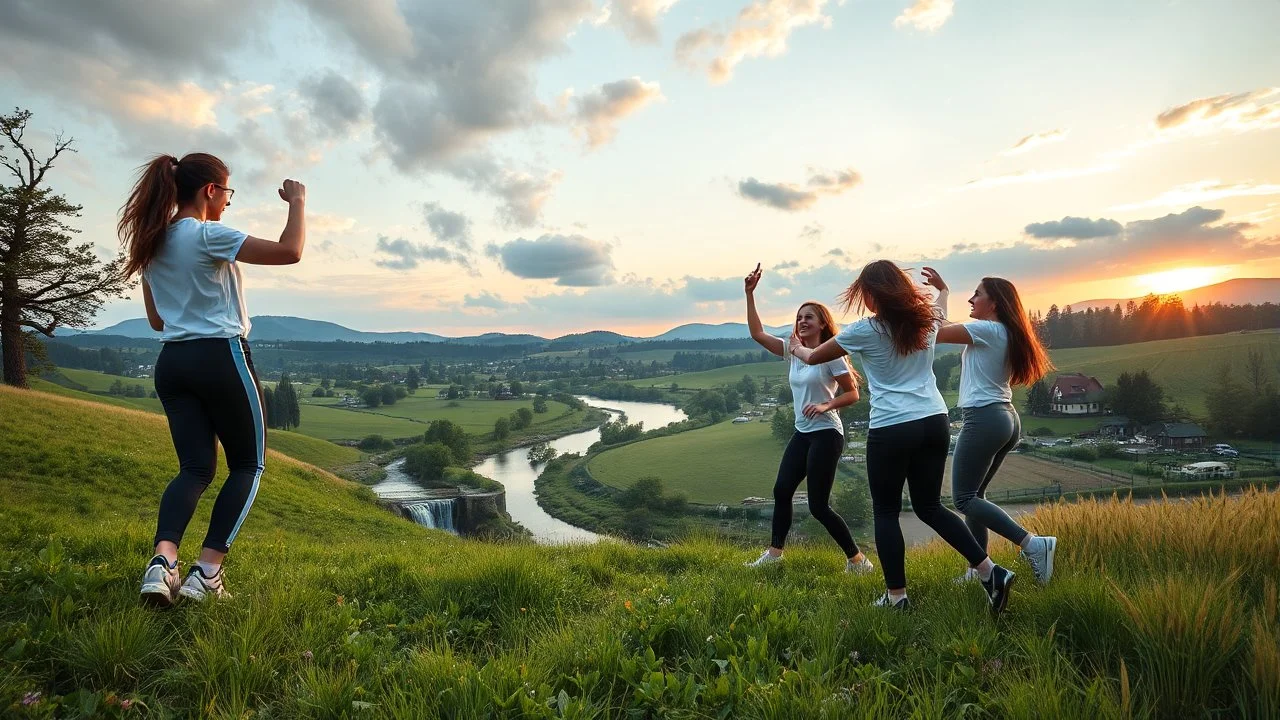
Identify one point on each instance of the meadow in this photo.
(343, 609)
(727, 462)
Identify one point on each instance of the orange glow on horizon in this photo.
(1176, 280)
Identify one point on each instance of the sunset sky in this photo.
(555, 166)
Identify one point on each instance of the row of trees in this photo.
(1152, 318)
(281, 405)
(1244, 404)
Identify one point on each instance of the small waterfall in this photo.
(436, 514)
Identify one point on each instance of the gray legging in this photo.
(989, 433)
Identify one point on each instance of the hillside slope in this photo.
(342, 609)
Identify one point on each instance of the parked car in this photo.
(1224, 450)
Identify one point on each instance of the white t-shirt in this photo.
(903, 388)
(196, 284)
(814, 384)
(984, 367)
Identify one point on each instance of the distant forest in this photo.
(1153, 318)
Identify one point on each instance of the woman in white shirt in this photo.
(191, 287)
(814, 449)
(1000, 350)
(909, 432)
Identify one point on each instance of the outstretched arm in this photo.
(826, 352)
(767, 341)
(955, 334)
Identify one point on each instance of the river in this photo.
(513, 470)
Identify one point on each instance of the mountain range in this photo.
(295, 329)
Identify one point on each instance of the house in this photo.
(1178, 436)
(1076, 394)
(1117, 426)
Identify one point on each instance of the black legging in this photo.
(914, 452)
(210, 394)
(813, 455)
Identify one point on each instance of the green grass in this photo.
(715, 378)
(725, 462)
(329, 423)
(343, 609)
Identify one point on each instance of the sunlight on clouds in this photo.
(186, 104)
(926, 15)
(1170, 281)
(760, 30)
(1202, 191)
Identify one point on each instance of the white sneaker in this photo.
(885, 601)
(1039, 555)
(862, 567)
(766, 558)
(970, 575)
(160, 583)
(198, 587)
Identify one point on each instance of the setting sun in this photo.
(1171, 281)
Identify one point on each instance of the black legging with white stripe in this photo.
(210, 394)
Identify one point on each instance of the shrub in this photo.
(375, 443)
(427, 461)
(1108, 450)
(1041, 432)
(1081, 452)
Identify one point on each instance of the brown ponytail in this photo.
(164, 184)
(906, 312)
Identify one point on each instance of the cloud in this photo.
(336, 105)
(638, 19)
(1035, 140)
(1203, 191)
(705, 290)
(572, 260)
(1241, 112)
(522, 194)
(596, 114)
(788, 265)
(812, 233)
(455, 74)
(785, 196)
(1167, 241)
(761, 29)
(405, 255)
(926, 15)
(834, 252)
(1074, 228)
(1036, 176)
(486, 300)
(448, 227)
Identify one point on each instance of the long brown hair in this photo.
(903, 308)
(830, 328)
(164, 184)
(1028, 361)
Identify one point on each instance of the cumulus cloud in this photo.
(1176, 238)
(596, 114)
(401, 254)
(335, 103)
(521, 194)
(705, 290)
(789, 197)
(455, 73)
(638, 19)
(1240, 112)
(761, 29)
(1074, 228)
(448, 227)
(926, 15)
(1035, 140)
(572, 260)
(1203, 191)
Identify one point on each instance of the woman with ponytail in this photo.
(1000, 350)
(909, 433)
(191, 285)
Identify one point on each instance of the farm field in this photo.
(725, 463)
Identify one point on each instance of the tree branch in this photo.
(46, 330)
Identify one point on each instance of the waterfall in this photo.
(437, 514)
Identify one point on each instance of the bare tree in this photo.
(46, 282)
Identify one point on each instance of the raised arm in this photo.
(288, 250)
(773, 344)
(955, 334)
(932, 278)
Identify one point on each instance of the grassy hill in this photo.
(343, 609)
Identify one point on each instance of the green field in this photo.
(715, 378)
(342, 609)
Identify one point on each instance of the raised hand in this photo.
(931, 277)
(752, 279)
(291, 190)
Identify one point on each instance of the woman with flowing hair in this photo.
(813, 453)
(192, 290)
(909, 432)
(1001, 349)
